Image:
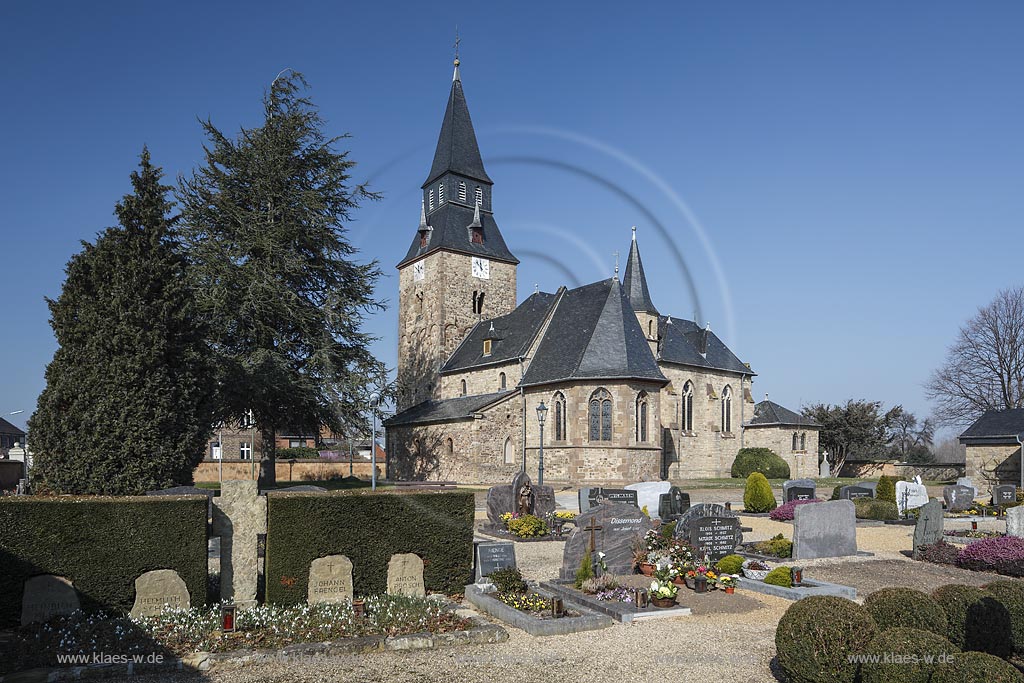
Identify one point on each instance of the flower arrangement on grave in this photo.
(755, 569)
(663, 592)
(524, 526)
(649, 550)
(726, 581)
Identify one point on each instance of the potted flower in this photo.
(727, 582)
(663, 593)
(755, 569)
(642, 547)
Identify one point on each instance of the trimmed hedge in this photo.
(872, 508)
(758, 496)
(368, 528)
(730, 564)
(977, 667)
(763, 460)
(816, 637)
(1010, 595)
(906, 608)
(886, 489)
(913, 656)
(102, 545)
(977, 621)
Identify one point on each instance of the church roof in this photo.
(996, 426)
(460, 408)
(635, 282)
(593, 334)
(449, 229)
(9, 429)
(513, 335)
(768, 413)
(682, 341)
(457, 149)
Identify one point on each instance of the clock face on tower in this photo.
(418, 271)
(481, 268)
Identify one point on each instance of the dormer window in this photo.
(440, 193)
(479, 196)
(431, 200)
(462, 192)
(487, 347)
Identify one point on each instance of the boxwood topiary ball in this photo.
(816, 637)
(904, 655)
(977, 621)
(730, 564)
(780, 576)
(1010, 595)
(976, 667)
(906, 608)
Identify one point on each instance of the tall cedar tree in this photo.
(128, 402)
(275, 274)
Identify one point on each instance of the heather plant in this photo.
(1002, 554)
(785, 512)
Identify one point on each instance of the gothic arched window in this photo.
(727, 409)
(559, 403)
(501, 380)
(686, 418)
(508, 452)
(803, 441)
(641, 417)
(600, 416)
(463, 387)
(796, 441)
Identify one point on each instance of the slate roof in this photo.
(996, 426)
(7, 428)
(448, 410)
(681, 341)
(768, 413)
(514, 333)
(457, 149)
(450, 230)
(635, 282)
(593, 333)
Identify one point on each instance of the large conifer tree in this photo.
(275, 275)
(128, 397)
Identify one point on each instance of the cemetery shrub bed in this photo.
(998, 554)
(101, 544)
(436, 526)
(182, 632)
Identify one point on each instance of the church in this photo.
(630, 394)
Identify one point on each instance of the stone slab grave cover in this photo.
(648, 493)
(1015, 521)
(958, 498)
(798, 489)
(855, 491)
(159, 590)
(826, 529)
(330, 580)
(910, 495)
(505, 498)
(619, 525)
(1001, 495)
(46, 596)
(673, 504)
(405, 575)
(239, 517)
(491, 557)
(928, 529)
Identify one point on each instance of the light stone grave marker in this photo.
(158, 590)
(826, 529)
(239, 517)
(330, 580)
(405, 575)
(648, 493)
(1015, 521)
(47, 596)
(910, 495)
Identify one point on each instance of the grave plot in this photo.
(522, 511)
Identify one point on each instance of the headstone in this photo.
(910, 495)
(854, 492)
(491, 557)
(698, 511)
(969, 483)
(47, 596)
(715, 537)
(798, 489)
(824, 468)
(584, 498)
(405, 575)
(501, 499)
(826, 529)
(617, 526)
(159, 590)
(602, 495)
(1001, 495)
(239, 517)
(928, 529)
(1015, 521)
(871, 486)
(648, 493)
(958, 498)
(673, 504)
(330, 580)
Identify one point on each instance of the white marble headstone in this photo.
(910, 495)
(649, 493)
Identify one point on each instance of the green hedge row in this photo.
(102, 545)
(368, 528)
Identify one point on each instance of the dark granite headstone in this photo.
(715, 537)
(673, 504)
(701, 510)
(491, 557)
(620, 525)
(1003, 495)
(505, 498)
(854, 492)
(928, 529)
(598, 496)
(958, 498)
(804, 489)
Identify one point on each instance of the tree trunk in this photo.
(268, 459)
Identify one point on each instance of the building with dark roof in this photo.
(631, 394)
(9, 437)
(992, 451)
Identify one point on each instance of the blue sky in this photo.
(842, 182)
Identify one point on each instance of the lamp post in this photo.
(542, 412)
(374, 403)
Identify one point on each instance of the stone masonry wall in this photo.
(993, 464)
(481, 381)
(802, 463)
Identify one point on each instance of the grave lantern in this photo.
(557, 608)
(700, 583)
(797, 575)
(227, 617)
(640, 598)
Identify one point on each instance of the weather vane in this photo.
(457, 41)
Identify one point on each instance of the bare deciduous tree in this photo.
(984, 368)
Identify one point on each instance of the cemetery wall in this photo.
(102, 545)
(993, 463)
(300, 470)
(436, 526)
(10, 472)
(944, 472)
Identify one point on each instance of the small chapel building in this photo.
(631, 394)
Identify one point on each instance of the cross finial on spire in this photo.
(616, 255)
(536, 288)
(458, 40)
(634, 233)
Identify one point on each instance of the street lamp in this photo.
(374, 403)
(542, 412)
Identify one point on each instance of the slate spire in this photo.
(457, 150)
(635, 282)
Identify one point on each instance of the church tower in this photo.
(635, 284)
(458, 270)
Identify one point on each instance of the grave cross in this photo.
(592, 527)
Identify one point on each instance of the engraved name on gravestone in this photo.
(958, 498)
(715, 537)
(405, 575)
(928, 529)
(490, 557)
(1001, 495)
(159, 590)
(616, 527)
(601, 495)
(330, 580)
(910, 495)
(798, 489)
(47, 596)
(854, 492)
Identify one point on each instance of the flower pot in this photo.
(729, 590)
(679, 581)
(647, 569)
(690, 582)
(663, 602)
